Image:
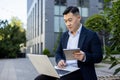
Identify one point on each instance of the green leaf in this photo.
(107, 1)
(112, 58)
(106, 57)
(116, 71)
(115, 52)
(113, 64)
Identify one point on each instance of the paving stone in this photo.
(17, 69)
(22, 69)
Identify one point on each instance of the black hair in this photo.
(71, 9)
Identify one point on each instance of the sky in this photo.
(13, 8)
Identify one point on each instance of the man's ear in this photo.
(79, 17)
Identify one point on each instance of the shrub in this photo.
(46, 52)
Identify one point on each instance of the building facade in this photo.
(45, 19)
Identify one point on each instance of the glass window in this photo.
(102, 1)
(56, 24)
(80, 10)
(83, 3)
(63, 26)
(56, 2)
(62, 8)
(59, 23)
(58, 18)
(60, 2)
(56, 10)
(84, 12)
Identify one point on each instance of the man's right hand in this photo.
(62, 64)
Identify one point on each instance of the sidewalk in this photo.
(22, 69)
(104, 73)
(17, 69)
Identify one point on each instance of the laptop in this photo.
(43, 65)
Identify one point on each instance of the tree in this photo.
(12, 36)
(108, 21)
(113, 15)
(98, 23)
(2, 49)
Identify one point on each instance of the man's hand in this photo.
(61, 64)
(79, 55)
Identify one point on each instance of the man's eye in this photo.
(70, 20)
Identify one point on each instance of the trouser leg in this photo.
(73, 76)
(45, 77)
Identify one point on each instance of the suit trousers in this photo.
(72, 76)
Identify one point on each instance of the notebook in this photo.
(43, 65)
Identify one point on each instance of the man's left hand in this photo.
(79, 55)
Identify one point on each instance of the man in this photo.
(78, 36)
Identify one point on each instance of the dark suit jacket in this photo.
(91, 45)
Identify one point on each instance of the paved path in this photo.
(17, 69)
(22, 69)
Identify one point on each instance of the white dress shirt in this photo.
(73, 44)
(73, 39)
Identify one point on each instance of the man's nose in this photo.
(68, 24)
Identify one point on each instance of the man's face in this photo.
(72, 21)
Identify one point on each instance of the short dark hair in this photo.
(71, 9)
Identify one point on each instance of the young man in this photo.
(78, 36)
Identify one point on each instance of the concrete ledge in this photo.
(116, 77)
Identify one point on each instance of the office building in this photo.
(45, 19)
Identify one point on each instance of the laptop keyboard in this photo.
(61, 72)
